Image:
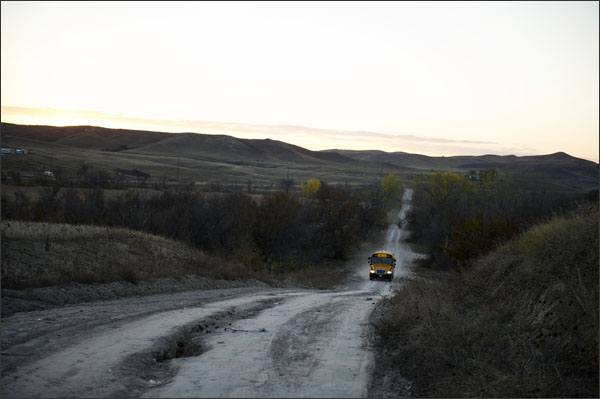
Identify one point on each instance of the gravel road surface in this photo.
(235, 342)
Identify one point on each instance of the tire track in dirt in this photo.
(87, 368)
(286, 351)
(297, 343)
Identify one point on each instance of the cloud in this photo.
(274, 130)
(297, 129)
(308, 137)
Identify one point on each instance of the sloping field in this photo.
(41, 254)
(559, 170)
(204, 157)
(521, 321)
(183, 156)
(46, 265)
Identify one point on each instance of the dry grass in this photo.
(48, 254)
(43, 254)
(25, 231)
(522, 322)
(183, 157)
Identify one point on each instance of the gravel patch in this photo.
(14, 301)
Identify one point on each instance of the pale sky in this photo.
(439, 78)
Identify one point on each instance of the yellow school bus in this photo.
(382, 265)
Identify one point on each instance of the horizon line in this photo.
(323, 150)
(314, 139)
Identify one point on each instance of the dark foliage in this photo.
(281, 228)
(455, 219)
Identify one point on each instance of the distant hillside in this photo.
(194, 145)
(202, 157)
(461, 162)
(559, 169)
(222, 147)
(89, 137)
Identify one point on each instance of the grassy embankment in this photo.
(46, 254)
(520, 322)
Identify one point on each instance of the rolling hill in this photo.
(202, 157)
(559, 169)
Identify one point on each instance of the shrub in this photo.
(310, 188)
(520, 322)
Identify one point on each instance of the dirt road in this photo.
(240, 342)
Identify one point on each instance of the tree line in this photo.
(455, 219)
(284, 228)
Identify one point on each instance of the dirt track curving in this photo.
(233, 342)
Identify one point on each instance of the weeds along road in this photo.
(244, 342)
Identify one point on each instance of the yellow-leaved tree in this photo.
(391, 188)
(311, 187)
